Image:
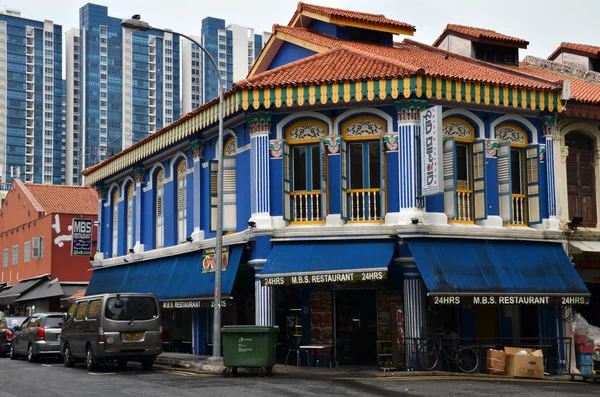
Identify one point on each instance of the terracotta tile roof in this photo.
(433, 61)
(363, 17)
(335, 65)
(581, 90)
(480, 33)
(587, 49)
(62, 199)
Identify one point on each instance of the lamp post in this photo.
(136, 24)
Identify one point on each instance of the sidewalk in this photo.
(201, 364)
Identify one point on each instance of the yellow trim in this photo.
(468, 91)
(244, 105)
(559, 107)
(335, 93)
(419, 86)
(312, 92)
(255, 99)
(428, 87)
(466, 124)
(302, 192)
(551, 101)
(533, 99)
(505, 96)
(227, 143)
(278, 97)
(323, 94)
(301, 43)
(347, 92)
(305, 141)
(486, 94)
(370, 90)
(406, 84)
(458, 91)
(382, 89)
(448, 90)
(300, 95)
(289, 96)
(462, 222)
(130, 191)
(182, 171)
(515, 98)
(395, 92)
(267, 96)
(308, 222)
(523, 98)
(375, 119)
(368, 221)
(516, 127)
(497, 95)
(358, 91)
(542, 101)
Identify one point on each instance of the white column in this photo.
(99, 255)
(198, 154)
(260, 129)
(263, 297)
(139, 175)
(548, 127)
(414, 310)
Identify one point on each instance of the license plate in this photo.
(132, 336)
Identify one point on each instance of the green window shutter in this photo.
(479, 201)
(505, 182)
(214, 170)
(344, 184)
(532, 159)
(449, 156)
(382, 175)
(287, 203)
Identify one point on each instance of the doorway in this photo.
(356, 326)
(581, 177)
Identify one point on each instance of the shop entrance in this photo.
(356, 326)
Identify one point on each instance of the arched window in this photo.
(305, 171)
(464, 172)
(229, 188)
(581, 177)
(363, 169)
(518, 176)
(181, 201)
(129, 212)
(115, 222)
(160, 208)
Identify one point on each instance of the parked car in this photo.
(7, 332)
(38, 335)
(117, 327)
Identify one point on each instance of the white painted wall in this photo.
(573, 59)
(457, 45)
(186, 73)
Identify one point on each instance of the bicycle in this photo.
(464, 357)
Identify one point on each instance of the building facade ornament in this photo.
(390, 142)
(139, 175)
(491, 148)
(197, 149)
(306, 131)
(410, 110)
(333, 143)
(259, 122)
(510, 134)
(101, 190)
(275, 149)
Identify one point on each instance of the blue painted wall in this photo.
(289, 53)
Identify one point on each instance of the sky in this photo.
(544, 23)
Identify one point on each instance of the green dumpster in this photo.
(249, 346)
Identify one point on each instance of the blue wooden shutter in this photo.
(382, 174)
(450, 203)
(286, 172)
(214, 170)
(505, 183)
(324, 210)
(344, 184)
(532, 159)
(479, 202)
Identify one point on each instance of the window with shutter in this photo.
(513, 171)
(581, 177)
(229, 186)
(181, 201)
(214, 171)
(365, 178)
(115, 222)
(160, 210)
(305, 172)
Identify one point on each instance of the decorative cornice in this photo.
(259, 122)
(410, 110)
(197, 149)
(101, 190)
(548, 126)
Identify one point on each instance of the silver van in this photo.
(106, 327)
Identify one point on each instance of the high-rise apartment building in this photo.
(121, 86)
(234, 48)
(31, 96)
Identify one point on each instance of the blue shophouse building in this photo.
(328, 231)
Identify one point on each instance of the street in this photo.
(50, 378)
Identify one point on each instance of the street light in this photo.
(135, 23)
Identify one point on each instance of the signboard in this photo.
(209, 261)
(193, 304)
(510, 300)
(431, 151)
(325, 278)
(81, 237)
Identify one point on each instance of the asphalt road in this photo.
(49, 378)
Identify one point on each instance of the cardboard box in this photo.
(530, 365)
(496, 362)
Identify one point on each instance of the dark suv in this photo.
(39, 335)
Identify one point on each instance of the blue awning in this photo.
(453, 267)
(179, 277)
(308, 262)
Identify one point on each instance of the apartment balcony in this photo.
(29, 60)
(30, 87)
(151, 50)
(152, 68)
(306, 207)
(464, 198)
(31, 78)
(152, 76)
(29, 32)
(151, 58)
(364, 205)
(30, 51)
(30, 69)
(29, 150)
(28, 160)
(30, 96)
(152, 112)
(152, 103)
(29, 169)
(29, 124)
(152, 94)
(519, 213)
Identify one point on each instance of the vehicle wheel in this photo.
(234, 371)
(30, 356)
(428, 357)
(147, 363)
(13, 353)
(467, 360)
(263, 372)
(122, 364)
(68, 359)
(226, 372)
(90, 359)
(270, 371)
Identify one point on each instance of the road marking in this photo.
(102, 373)
(186, 373)
(464, 378)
